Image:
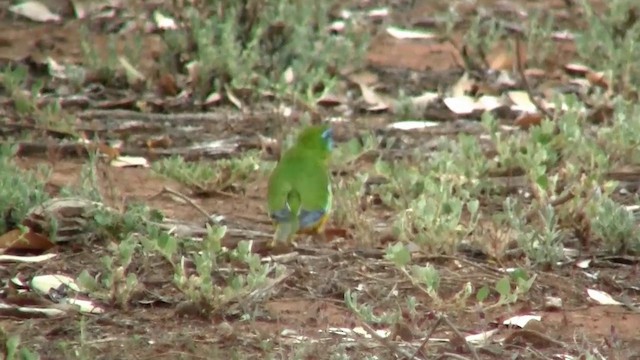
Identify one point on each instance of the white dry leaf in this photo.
(374, 100)
(412, 125)
(164, 22)
(552, 302)
(404, 34)
(133, 75)
(129, 161)
(27, 259)
(488, 103)
(420, 102)
(59, 71)
(602, 297)
(521, 320)
(193, 70)
(233, 98)
(481, 337)
(48, 312)
(85, 306)
(213, 98)
(462, 86)
(460, 104)
(337, 26)
(34, 10)
(521, 101)
(362, 332)
(84, 8)
(289, 76)
(43, 284)
(564, 35)
(56, 70)
(584, 264)
(378, 13)
(346, 14)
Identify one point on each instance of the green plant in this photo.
(250, 45)
(614, 225)
(612, 33)
(20, 190)
(434, 221)
(215, 284)
(220, 175)
(12, 349)
(509, 289)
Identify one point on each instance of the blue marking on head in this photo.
(327, 136)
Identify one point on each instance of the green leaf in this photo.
(519, 273)
(398, 254)
(482, 294)
(503, 286)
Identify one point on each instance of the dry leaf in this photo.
(501, 60)
(133, 75)
(27, 259)
(374, 100)
(43, 284)
(602, 297)
(289, 76)
(424, 100)
(379, 13)
(488, 103)
(576, 69)
(481, 337)
(329, 100)
(16, 240)
(34, 10)
(159, 142)
(598, 78)
(528, 119)
(521, 320)
(129, 161)
(412, 125)
(337, 27)
(213, 98)
(521, 101)
(164, 22)
(403, 34)
(167, 85)
(463, 86)
(232, 98)
(460, 105)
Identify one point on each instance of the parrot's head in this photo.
(318, 139)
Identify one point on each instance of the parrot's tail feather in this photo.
(284, 232)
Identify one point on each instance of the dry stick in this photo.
(457, 332)
(525, 82)
(426, 339)
(391, 346)
(166, 190)
(454, 356)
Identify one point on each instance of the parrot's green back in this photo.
(299, 192)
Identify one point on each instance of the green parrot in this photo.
(299, 192)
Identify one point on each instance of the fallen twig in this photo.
(525, 82)
(426, 339)
(166, 190)
(384, 341)
(455, 330)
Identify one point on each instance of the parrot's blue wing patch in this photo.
(308, 219)
(282, 215)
